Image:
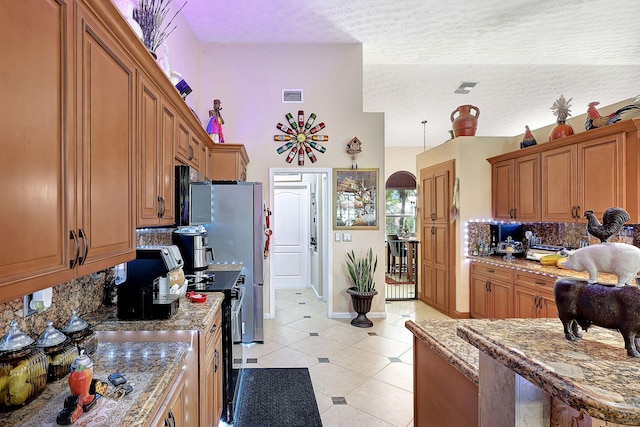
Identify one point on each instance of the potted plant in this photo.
(363, 287)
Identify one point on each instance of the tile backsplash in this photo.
(569, 235)
(84, 294)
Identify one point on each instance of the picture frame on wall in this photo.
(355, 203)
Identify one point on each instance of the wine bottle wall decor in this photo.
(300, 137)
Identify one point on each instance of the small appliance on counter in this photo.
(193, 243)
(499, 232)
(146, 293)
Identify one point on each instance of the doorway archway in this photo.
(401, 278)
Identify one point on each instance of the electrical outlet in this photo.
(346, 237)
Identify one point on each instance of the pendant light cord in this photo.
(424, 135)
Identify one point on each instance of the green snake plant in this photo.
(361, 271)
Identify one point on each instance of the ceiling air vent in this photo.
(292, 96)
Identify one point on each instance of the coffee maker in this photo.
(145, 293)
(193, 243)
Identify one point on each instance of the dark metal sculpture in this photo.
(612, 221)
(581, 305)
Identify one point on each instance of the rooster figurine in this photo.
(612, 220)
(595, 120)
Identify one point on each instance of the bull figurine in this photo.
(582, 304)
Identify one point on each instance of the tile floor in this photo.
(361, 376)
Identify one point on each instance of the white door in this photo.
(291, 236)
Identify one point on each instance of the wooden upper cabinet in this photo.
(106, 95)
(188, 146)
(156, 135)
(600, 183)
(580, 177)
(228, 162)
(516, 189)
(592, 170)
(37, 138)
(502, 190)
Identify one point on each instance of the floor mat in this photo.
(281, 397)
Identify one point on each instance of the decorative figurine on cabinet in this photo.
(214, 128)
(528, 139)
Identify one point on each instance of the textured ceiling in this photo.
(523, 53)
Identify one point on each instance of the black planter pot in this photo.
(362, 305)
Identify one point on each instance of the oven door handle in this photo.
(236, 305)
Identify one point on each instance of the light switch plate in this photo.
(337, 237)
(346, 237)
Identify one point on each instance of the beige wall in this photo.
(400, 159)
(249, 78)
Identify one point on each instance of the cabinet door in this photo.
(599, 175)
(427, 213)
(478, 296)
(502, 190)
(173, 409)
(527, 188)
(149, 153)
(525, 302)
(501, 300)
(167, 170)
(548, 306)
(217, 380)
(559, 186)
(184, 150)
(441, 276)
(441, 200)
(197, 152)
(37, 136)
(105, 136)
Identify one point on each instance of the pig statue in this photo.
(621, 259)
(582, 304)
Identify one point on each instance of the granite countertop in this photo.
(225, 266)
(545, 270)
(441, 337)
(149, 367)
(593, 375)
(190, 316)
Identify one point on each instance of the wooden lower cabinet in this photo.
(211, 373)
(442, 395)
(174, 407)
(533, 296)
(500, 292)
(491, 292)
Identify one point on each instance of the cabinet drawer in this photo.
(534, 280)
(210, 334)
(492, 271)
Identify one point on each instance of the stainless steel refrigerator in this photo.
(236, 234)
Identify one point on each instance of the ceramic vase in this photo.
(561, 130)
(466, 123)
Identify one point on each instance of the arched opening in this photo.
(400, 226)
(401, 204)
